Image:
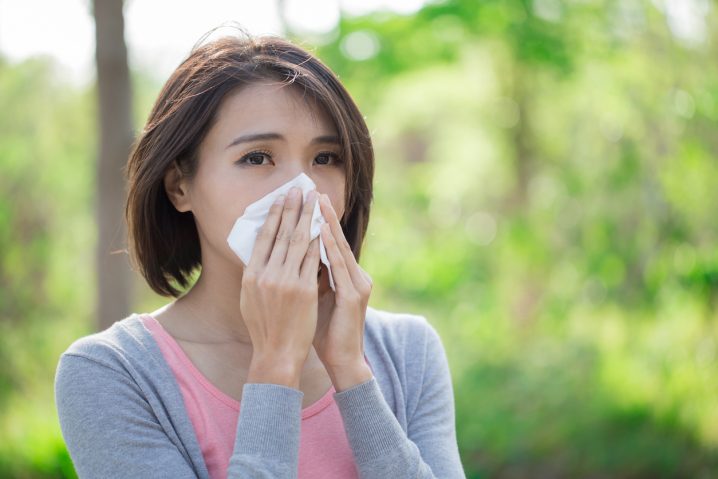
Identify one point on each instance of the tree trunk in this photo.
(529, 287)
(115, 103)
(523, 160)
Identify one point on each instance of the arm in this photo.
(381, 448)
(111, 430)
(108, 426)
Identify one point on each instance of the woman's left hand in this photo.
(339, 337)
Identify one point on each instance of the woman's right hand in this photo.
(279, 295)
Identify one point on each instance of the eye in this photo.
(325, 157)
(254, 158)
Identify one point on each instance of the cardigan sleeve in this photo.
(268, 433)
(429, 448)
(110, 429)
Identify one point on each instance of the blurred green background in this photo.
(546, 194)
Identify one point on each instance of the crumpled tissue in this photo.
(244, 232)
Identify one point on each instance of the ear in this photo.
(176, 187)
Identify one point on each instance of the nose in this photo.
(294, 171)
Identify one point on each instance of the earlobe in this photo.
(176, 189)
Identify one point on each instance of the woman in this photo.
(158, 395)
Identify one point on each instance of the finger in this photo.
(300, 237)
(366, 276)
(286, 228)
(368, 282)
(310, 263)
(266, 235)
(342, 244)
(340, 273)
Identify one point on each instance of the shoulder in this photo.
(403, 333)
(121, 360)
(113, 347)
(96, 368)
(408, 359)
(387, 323)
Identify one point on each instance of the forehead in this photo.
(273, 105)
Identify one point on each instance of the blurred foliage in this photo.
(547, 169)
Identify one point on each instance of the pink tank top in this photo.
(324, 450)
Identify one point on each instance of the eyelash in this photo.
(244, 159)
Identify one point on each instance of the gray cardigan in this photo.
(122, 413)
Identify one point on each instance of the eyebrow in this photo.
(276, 136)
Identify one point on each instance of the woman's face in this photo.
(235, 170)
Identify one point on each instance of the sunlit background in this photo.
(546, 194)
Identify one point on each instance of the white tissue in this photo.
(244, 232)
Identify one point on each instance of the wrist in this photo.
(274, 372)
(346, 377)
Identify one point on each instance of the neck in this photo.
(212, 305)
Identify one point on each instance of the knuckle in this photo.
(310, 291)
(264, 233)
(249, 277)
(366, 276)
(267, 282)
(308, 207)
(298, 236)
(249, 274)
(352, 297)
(295, 288)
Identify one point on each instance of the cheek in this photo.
(332, 185)
(337, 205)
(219, 203)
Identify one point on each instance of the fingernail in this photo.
(311, 195)
(294, 192)
(279, 200)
